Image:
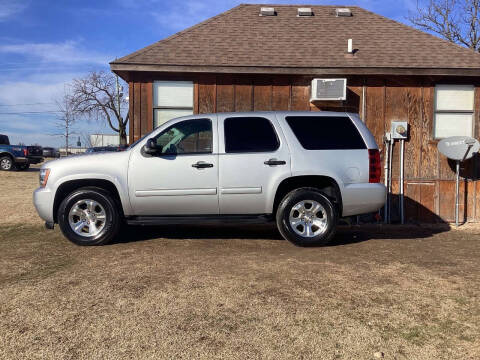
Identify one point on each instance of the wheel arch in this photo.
(326, 184)
(5, 153)
(69, 186)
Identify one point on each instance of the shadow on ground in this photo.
(31, 169)
(345, 235)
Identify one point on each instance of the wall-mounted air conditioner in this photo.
(329, 89)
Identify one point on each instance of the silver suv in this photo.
(303, 170)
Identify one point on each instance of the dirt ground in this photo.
(234, 292)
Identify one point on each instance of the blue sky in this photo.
(45, 44)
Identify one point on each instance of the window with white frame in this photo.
(171, 99)
(454, 106)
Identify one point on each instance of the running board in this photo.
(198, 219)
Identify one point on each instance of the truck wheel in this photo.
(89, 216)
(306, 217)
(6, 163)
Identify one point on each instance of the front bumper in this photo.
(43, 200)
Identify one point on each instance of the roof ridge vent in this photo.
(267, 11)
(304, 11)
(343, 12)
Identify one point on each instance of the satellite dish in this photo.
(459, 148)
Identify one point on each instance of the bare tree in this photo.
(65, 118)
(457, 21)
(100, 96)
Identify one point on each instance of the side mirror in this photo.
(151, 147)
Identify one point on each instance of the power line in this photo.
(27, 104)
(29, 112)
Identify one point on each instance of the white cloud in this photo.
(34, 138)
(67, 52)
(28, 92)
(9, 8)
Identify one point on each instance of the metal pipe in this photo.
(389, 189)
(402, 205)
(457, 182)
(386, 173)
(364, 101)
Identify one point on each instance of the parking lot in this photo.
(234, 292)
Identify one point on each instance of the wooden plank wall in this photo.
(429, 177)
(141, 109)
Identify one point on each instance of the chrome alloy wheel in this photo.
(6, 163)
(87, 218)
(308, 218)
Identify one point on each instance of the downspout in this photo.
(364, 101)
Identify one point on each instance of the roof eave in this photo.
(122, 68)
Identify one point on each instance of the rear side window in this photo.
(326, 132)
(249, 134)
(4, 140)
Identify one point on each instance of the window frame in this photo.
(250, 152)
(453, 112)
(162, 107)
(189, 153)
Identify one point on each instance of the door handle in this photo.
(274, 162)
(202, 165)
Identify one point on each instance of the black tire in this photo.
(284, 211)
(6, 163)
(112, 216)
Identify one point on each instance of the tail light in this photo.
(375, 171)
(25, 152)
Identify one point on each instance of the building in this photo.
(104, 140)
(244, 60)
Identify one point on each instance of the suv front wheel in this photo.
(6, 163)
(89, 216)
(306, 217)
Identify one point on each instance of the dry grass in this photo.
(231, 292)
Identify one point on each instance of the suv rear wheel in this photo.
(89, 216)
(306, 217)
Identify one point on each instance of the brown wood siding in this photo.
(262, 94)
(281, 93)
(143, 109)
(243, 94)
(137, 107)
(225, 94)
(428, 168)
(130, 113)
(207, 94)
(429, 176)
(149, 107)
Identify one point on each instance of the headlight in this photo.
(43, 177)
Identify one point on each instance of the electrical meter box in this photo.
(399, 130)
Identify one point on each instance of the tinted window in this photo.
(4, 140)
(187, 137)
(249, 134)
(326, 132)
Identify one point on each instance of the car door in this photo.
(253, 159)
(182, 178)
